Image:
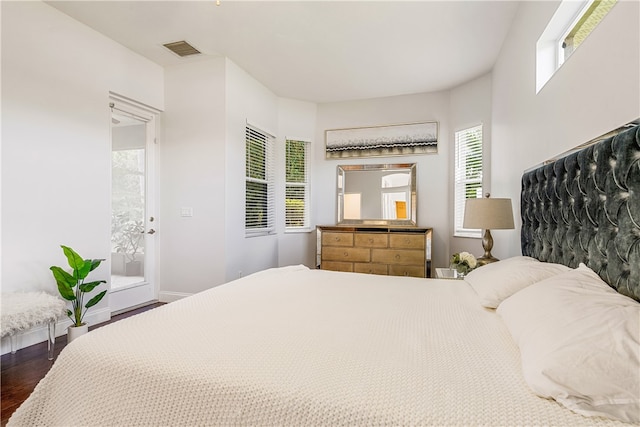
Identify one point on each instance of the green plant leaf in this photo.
(75, 261)
(65, 282)
(88, 287)
(80, 267)
(62, 276)
(83, 271)
(94, 263)
(66, 293)
(93, 301)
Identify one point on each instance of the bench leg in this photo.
(51, 342)
(13, 339)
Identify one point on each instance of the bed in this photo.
(297, 346)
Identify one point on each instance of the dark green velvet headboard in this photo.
(585, 207)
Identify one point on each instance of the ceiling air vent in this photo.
(182, 48)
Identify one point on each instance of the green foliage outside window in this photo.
(257, 187)
(295, 212)
(468, 175)
(128, 205)
(473, 165)
(255, 158)
(296, 184)
(296, 164)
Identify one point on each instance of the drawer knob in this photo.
(337, 239)
(397, 256)
(346, 254)
(370, 240)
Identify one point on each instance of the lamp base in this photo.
(485, 260)
(487, 245)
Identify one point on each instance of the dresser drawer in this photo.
(406, 270)
(398, 256)
(397, 251)
(346, 254)
(371, 240)
(370, 268)
(337, 266)
(406, 241)
(337, 239)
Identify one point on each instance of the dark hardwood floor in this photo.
(22, 371)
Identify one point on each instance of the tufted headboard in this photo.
(585, 207)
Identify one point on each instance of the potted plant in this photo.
(72, 287)
(127, 236)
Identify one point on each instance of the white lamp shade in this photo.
(488, 213)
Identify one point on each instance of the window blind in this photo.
(259, 183)
(297, 185)
(467, 175)
(588, 20)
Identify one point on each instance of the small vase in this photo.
(74, 332)
(461, 270)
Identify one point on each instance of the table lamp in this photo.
(488, 214)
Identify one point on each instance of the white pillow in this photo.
(499, 280)
(579, 343)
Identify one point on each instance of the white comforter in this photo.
(293, 347)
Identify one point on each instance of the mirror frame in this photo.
(410, 222)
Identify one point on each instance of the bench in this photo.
(22, 311)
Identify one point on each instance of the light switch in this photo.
(186, 212)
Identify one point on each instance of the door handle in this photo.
(151, 231)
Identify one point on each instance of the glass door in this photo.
(132, 220)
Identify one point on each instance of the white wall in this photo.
(471, 106)
(192, 175)
(596, 90)
(56, 78)
(296, 120)
(432, 171)
(247, 101)
(208, 105)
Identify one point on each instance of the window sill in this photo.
(259, 234)
(298, 230)
(468, 235)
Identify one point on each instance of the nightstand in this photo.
(447, 273)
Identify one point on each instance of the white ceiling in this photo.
(319, 51)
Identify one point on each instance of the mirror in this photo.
(377, 194)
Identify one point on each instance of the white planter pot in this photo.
(133, 268)
(74, 332)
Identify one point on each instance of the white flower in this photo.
(468, 258)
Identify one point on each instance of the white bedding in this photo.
(295, 347)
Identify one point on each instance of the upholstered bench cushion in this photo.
(24, 310)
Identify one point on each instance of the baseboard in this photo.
(172, 296)
(40, 333)
(124, 310)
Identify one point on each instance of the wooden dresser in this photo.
(394, 251)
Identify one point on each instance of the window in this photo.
(297, 185)
(259, 183)
(468, 175)
(587, 20)
(572, 22)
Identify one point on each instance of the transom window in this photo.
(589, 18)
(570, 25)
